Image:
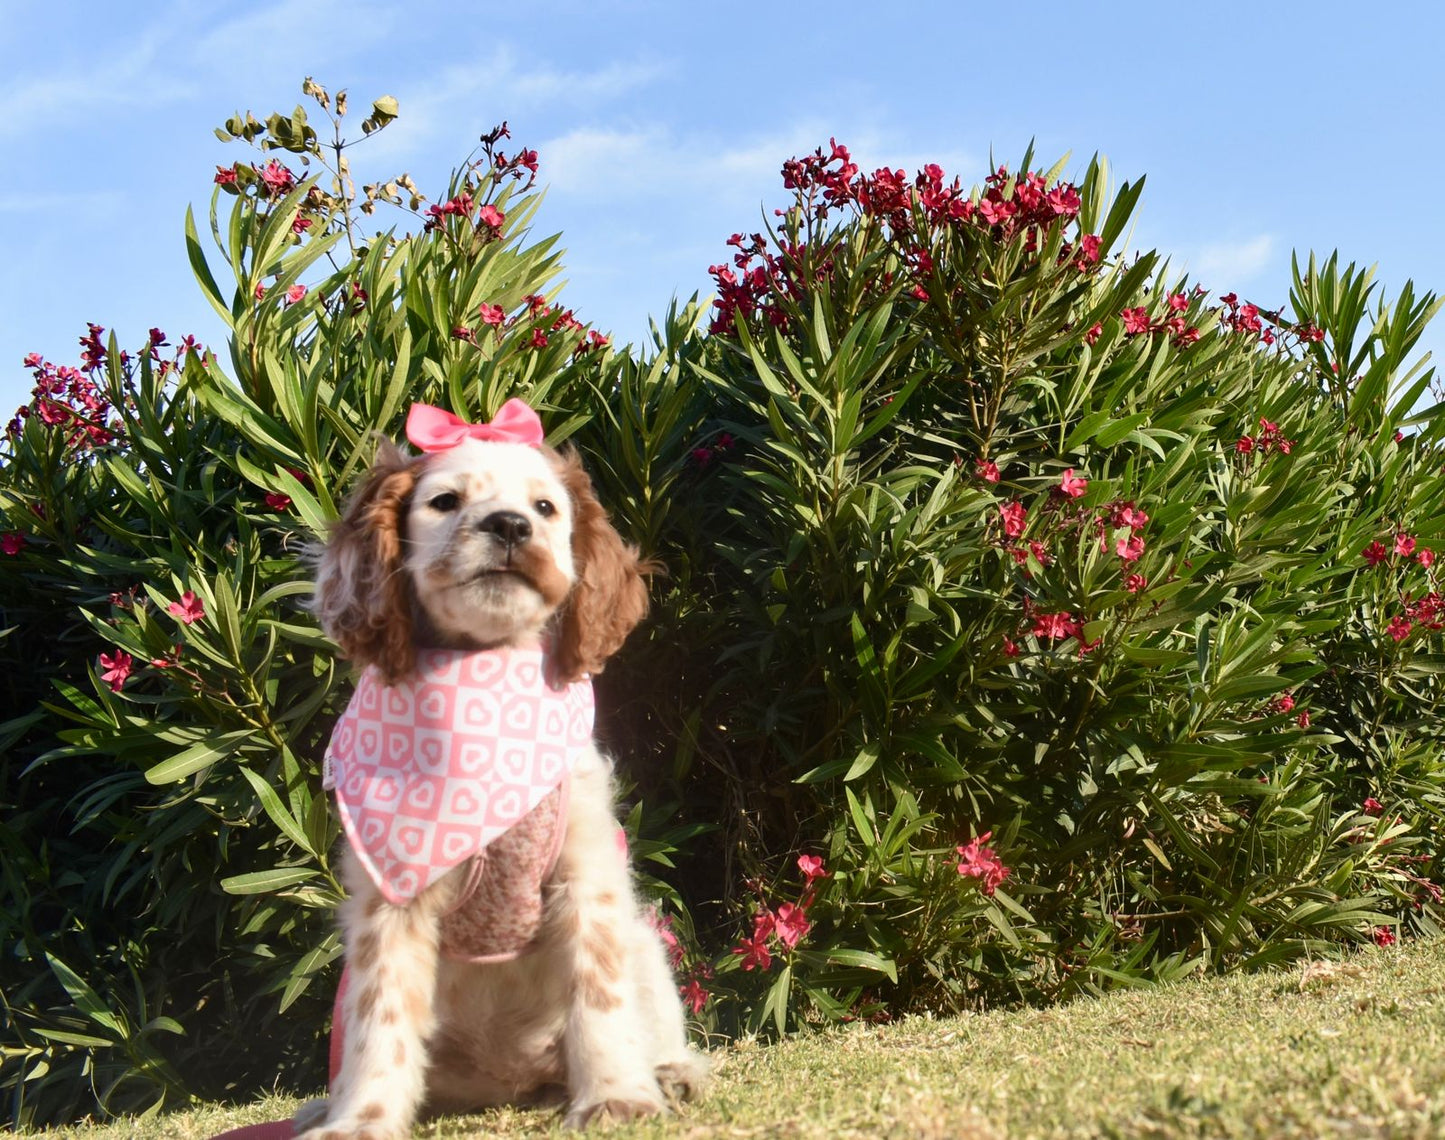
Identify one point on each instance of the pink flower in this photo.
(694, 996)
(1399, 628)
(1073, 485)
(1125, 514)
(1404, 545)
(1178, 302)
(1303, 720)
(1129, 548)
(492, 314)
(791, 924)
(12, 543)
(1245, 444)
(1014, 516)
(979, 861)
(1095, 332)
(1010, 647)
(1384, 936)
(277, 501)
(189, 609)
(1372, 806)
(491, 216)
(539, 339)
(260, 290)
(1136, 321)
(755, 952)
(1425, 557)
(1136, 583)
(663, 925)
(295, 293)
(812, 868)
(225, 175)
(1064, 200)
(116, 668)
(986, 469)
(1375, 553)
(1056, 626)
(277, 178)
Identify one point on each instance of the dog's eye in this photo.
(545, 507)
(445, 502)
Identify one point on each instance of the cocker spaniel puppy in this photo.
(495, 949)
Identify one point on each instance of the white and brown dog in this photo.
(495, 949)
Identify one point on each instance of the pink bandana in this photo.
(427, 773)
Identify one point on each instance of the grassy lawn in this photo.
(1351, 1049)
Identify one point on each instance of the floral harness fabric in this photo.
(466, 762)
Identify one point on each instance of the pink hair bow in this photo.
(434, 429)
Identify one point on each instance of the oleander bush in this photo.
(1035, 620)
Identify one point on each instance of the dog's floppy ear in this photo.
(363, 593)
(609, 596)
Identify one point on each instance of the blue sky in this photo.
(662, 125)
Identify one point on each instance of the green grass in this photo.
(1349, 1049)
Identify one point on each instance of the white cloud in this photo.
(133, 78)
(471, 98)
(90, 202)
(1235, 262)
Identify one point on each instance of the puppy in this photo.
(499, 957)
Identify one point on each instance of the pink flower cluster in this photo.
(788, 923)
(755, 286)
(1264, 324)
(66, 398)
(1406, 548)
(1425, 612)
(706, 455)
(1270, 439)
(71, 400)
(694, 994)
(977, 860)
(1137, 322)
(522, 166)
(489, 218)
(117, 666)
(543, 320)
(1119, 525)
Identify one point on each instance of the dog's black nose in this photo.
(509, 526)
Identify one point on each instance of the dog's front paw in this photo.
(616, 1105)
(684, 1078)
(309, 1115)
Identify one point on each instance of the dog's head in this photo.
(479, 543)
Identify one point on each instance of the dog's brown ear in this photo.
(363, 594)
(609, 596)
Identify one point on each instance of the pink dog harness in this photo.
(468, 759)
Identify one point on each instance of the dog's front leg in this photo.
(391, 959)
(606, 1043)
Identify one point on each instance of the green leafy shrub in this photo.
(1034, 622)
(1036, 565)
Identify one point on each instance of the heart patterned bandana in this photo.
(428, 772)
